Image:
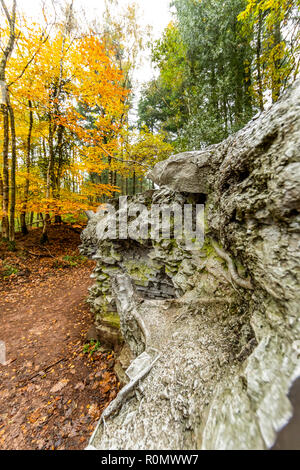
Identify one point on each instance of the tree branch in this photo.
(130, 162)
(6, 11)
(30, 61)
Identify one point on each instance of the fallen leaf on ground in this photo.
(59, 386)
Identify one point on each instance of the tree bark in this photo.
(44, 237)
(258, 63)
(28, 164)
(276, 81)
(5, 112)
(5, 199)
(134, 183)
(12, 173)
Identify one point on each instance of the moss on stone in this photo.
(112, 320)
(208, 249)
(210, 252)
(139, 271)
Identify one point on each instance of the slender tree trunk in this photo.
(213, 93)
(248, 103)
(44, 237)
(258, 62)
(276, 81)
(50, 173)
(225, 116)
(28, 164)
(5, 199)
(50, 180)
(60, 136)
(12, 173)
(141, 185)
(40, 218)
(1, 186)
(134, 183)
(239, 100)
(5, 111)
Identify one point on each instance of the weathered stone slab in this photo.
(229, 356)
(189, 172)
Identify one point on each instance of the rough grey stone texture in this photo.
(254, 211)
(229, 356)
(189, 172)
(198, 341)
(153, 265)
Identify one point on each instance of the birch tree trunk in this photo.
(5, 113)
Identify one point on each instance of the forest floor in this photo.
(52, 388)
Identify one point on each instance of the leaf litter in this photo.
(51, 393)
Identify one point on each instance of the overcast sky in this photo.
(155, 13)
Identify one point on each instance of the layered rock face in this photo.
(213, 330)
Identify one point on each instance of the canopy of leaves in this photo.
(70, 92)
(218, 63)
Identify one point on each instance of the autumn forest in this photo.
(67, 141)
(93, 95)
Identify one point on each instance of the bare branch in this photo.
(10, 45)
(6, 11)
(130, 162)
(30, 61)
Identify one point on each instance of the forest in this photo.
(136, 343)
(67, 90)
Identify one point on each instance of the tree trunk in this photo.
(44, 237)
(134, 183)
(59, 151)
(276, 81)
(5, 200)
(258, 63)
(50, 173)
(4, 108)
(28, 164)
(141, 185)
(40, 219)
(12, 173)
(1, 186)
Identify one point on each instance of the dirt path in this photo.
(46, 404)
